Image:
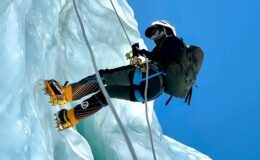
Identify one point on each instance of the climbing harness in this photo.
(138, 79)
(123, 130)
(146, 81)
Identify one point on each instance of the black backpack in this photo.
(181, 75)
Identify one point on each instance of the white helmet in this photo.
(150, 30)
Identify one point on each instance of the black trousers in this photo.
(118, 83)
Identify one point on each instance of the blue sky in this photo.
(223, 119)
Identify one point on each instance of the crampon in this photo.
(61, 121)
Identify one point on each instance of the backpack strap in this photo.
(188, 96)
(167, 102)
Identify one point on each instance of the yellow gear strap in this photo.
(68, 93)
(72, 117)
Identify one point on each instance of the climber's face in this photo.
(157, 33)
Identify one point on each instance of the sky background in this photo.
(223, 119)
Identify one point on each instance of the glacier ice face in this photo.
(43, 40)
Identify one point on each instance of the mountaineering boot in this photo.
(65, 119)
(68, 118)
(58, 94)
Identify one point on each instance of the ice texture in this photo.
(42, 40)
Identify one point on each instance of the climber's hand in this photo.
(135, 50)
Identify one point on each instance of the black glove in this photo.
(135, 48)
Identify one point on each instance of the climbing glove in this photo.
(135, 50)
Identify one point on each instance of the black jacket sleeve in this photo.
(148, 54)
(169, 50)
(141, 52)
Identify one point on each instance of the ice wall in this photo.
(42, 40)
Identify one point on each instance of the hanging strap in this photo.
(167, 102)
(188, 97)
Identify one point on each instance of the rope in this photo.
(121, 23)
(103, 88)
(146, 82)
(146, 108)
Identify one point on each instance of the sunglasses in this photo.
(157, 33)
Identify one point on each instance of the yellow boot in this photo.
(58, 94)
(65, 119)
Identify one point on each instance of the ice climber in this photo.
(173, 68)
